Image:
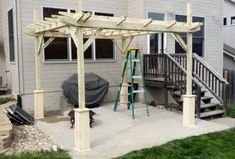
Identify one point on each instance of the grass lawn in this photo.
(231, 111)
(60, 154)
(220, 145)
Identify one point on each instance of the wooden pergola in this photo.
(81, 25)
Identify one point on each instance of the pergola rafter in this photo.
(82, 25)
(113, 27)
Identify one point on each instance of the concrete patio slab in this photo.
(116, 133)
(225, 121)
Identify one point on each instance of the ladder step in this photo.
(124, 103)
(137, 77)
(139, 91)
(135, 60)
(140, 109)
(125, 94)
(126, 85)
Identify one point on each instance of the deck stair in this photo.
(208, 86)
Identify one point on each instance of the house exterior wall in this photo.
(229, 30)
(229, 62)
(213, 45)
(11, 67)
(53, 74)
(2, 59)
(213, 42)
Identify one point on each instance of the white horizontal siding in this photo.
(12, 75)
(229, 63)
(211, 11)
(229, 30)
(53, 75)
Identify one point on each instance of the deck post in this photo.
(82, 126)
(38, 93)
(189, 99)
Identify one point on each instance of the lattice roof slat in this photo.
(113, 27)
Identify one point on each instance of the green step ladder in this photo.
(133, 57)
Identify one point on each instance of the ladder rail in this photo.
(145, 93)
(134, 58)
(132, 72)
(121, 83)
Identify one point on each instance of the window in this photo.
(156, 43)
(104, 48)
(58, 49)
(232, 20)
(87, 53)
(225, 21)
(11, 36)
(64, 49)
(198, 37)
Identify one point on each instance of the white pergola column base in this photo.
(82, 130)
(189, 110)
(38, 104)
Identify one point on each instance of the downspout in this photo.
(222, 59)
(20, 89)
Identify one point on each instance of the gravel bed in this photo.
(172, 108)
(29, 138)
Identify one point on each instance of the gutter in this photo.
(230, 55)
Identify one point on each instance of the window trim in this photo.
(14, 44)
(70, 59)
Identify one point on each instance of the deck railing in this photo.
(207, 76)
(163, 66)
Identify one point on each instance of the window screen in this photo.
(104, 48)
(58, 49)
(233, 20)
(198, 37)
(154, 38)
(87, 53)
(225, 21)
(11, 36)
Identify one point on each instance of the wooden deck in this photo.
(155, 82)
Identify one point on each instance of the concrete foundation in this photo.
(156, 95)
(38, 104)
(189, 110)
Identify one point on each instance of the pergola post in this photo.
(124, 47)
(189, 99)
(82, 126)
(38, 93)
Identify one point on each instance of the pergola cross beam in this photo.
(125, 44)
(86, 20)
(91, 39)
(180, 41)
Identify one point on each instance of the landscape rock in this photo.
(29, 138)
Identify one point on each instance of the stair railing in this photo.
(204, 73)
(176, 75)
(164, 66)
